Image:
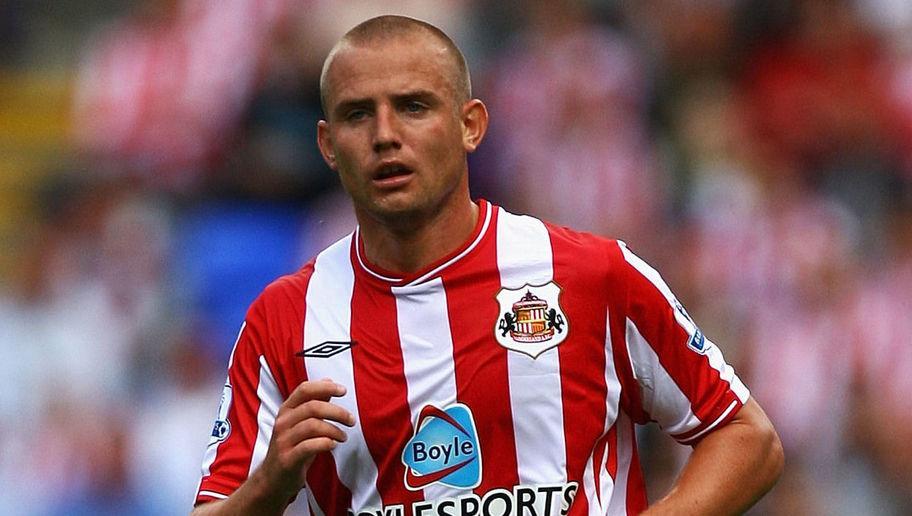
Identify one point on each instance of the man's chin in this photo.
(401, 211)
(390, 210)
(394, 215)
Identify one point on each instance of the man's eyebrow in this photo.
(416, 94)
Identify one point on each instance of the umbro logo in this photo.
(326, 349)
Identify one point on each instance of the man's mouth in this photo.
(392, 176)
(391, 170)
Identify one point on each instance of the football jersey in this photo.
(507, 378)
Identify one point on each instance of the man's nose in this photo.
(386, 132)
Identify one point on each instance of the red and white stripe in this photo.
(524, 257)
(661, 370)
(427, 352)
(328, 318)
(601, 468)
(270, 401)
(566, 416)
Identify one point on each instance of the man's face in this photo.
(395, 132)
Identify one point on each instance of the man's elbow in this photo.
(206, 508)
(777, 453)
(772, 456)
(760, 446)
(776, 457)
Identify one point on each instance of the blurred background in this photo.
(158, 167)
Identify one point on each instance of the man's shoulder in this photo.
(566, 236)
(563, 235)
(286, 290)
(297, 281)
(578, 253)
(294, 285)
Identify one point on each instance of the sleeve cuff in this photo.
(694, 436)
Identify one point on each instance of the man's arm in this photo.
(302, 430)
(729, 470)
(256, 496)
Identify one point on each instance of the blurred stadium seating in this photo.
(140, 214)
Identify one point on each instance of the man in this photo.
(450, 357)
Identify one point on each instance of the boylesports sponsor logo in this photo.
(443, 450)
(523, 500)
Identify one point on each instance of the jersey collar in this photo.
(481, 229)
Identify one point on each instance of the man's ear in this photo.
(474, 124)
(324, 142)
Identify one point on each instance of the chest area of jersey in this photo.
(432, 345)
(456, 388)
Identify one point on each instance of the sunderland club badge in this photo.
(531, 320)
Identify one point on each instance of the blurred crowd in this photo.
(158, 167)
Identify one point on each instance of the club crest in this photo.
(531, 320)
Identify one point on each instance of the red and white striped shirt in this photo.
(460, 408)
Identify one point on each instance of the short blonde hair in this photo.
(388, 27)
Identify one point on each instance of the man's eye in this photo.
(415, 107)
(357, 114)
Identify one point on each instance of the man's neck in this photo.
(412, 247)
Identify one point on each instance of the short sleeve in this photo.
(685, 384)
(246, 415)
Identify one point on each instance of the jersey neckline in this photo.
(482, 227)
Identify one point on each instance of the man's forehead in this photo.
(418, 48)
(409, 58)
